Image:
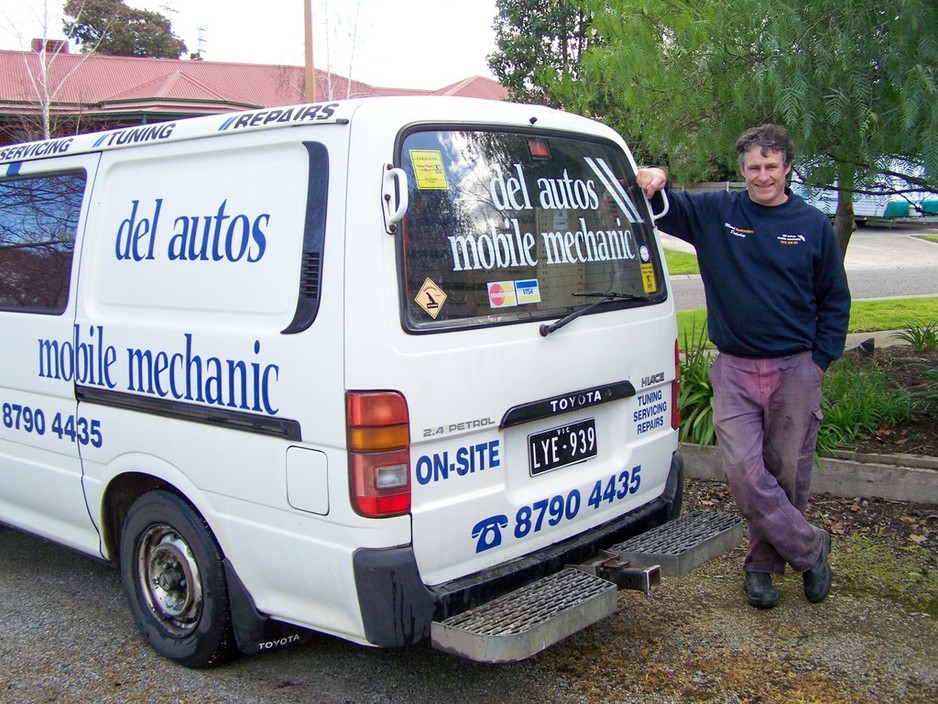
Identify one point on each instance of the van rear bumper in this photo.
(397, 608)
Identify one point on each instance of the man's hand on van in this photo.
(651, 179)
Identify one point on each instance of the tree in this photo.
(539, 45)
(110, 27)
(855, 82)
(39, 62)
(862, 95)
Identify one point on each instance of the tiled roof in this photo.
(108, 84)
(475, 87)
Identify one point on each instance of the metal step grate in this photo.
(526, 621)
(683, 544)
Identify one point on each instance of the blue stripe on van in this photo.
(14, 168)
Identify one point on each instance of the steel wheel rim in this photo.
(169, 579)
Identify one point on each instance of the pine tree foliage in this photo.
(539, 44)
(856, 82)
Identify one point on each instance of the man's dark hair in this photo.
(768, 138)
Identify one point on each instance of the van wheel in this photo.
(172, 573)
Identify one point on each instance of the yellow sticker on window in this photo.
(430, 297)
(428, 169)
(649, 283)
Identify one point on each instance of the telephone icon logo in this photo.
(489, 532)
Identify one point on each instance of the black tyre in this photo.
(172, 573)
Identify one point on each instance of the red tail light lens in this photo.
(676, 389)
(379, 452)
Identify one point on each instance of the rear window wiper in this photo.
(603, 296)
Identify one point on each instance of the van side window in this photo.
(38, 224)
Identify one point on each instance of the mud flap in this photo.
(255, 633)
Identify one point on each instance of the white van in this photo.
(360, 368)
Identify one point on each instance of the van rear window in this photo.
(511, 227)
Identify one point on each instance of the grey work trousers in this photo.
(766, 414)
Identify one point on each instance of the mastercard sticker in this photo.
(502, 294)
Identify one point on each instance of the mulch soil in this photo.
(895, 524)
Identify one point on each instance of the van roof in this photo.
(404, 110)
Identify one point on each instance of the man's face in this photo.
(765, 176)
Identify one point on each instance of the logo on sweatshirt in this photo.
(791, 239)
(737, 231)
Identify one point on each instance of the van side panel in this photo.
(193, 278)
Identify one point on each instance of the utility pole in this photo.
(310, 71)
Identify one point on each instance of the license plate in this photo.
(558, 447)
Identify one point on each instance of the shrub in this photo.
(922, 336)
(696, 395)
(856, 401)
(930, 394)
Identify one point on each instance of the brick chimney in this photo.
(52, 46)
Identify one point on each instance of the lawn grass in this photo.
(893, 314)
(865, 316)
(680, 262)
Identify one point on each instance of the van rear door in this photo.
(536, 349)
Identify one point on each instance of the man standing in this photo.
(777, 311)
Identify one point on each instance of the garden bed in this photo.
(906, 368)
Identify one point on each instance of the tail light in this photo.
(379, 452)
(676, 389)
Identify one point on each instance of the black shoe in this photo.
(817, 580)
(762, 593)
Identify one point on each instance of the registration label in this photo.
(562, 446)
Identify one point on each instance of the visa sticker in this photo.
(527, 291)
(502, 294)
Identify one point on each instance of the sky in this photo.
(390, 43)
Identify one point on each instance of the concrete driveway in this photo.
(891, 248)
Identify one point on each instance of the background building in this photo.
(88, 93)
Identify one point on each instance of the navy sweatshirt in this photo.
(773, 276)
